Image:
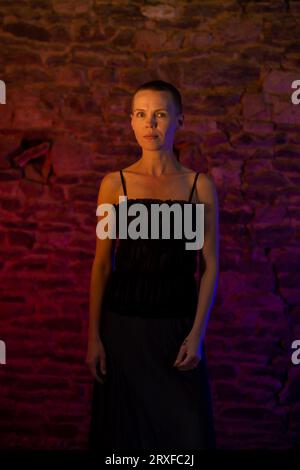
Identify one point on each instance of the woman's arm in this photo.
(99, 276)
(102, 264)
(207, 194)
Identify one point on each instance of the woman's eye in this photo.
(140, 113)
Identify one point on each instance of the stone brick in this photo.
(28, 30)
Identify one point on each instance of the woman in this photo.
(148, 316)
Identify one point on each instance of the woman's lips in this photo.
(150, 136)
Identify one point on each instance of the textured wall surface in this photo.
(70, 67)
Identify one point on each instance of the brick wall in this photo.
(70, 68)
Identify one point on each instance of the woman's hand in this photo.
(96, 356)
(189, 354)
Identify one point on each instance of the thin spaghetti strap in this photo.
(123, 183)
(194, 184)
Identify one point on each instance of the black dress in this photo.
(148, 308)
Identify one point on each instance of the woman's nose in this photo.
(151, 121)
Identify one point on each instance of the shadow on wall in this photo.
(33, 157)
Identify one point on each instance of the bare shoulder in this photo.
(206, 188)
(112, 178)
(109, 187)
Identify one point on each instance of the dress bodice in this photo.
(153, 277)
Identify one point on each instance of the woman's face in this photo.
(154, 113)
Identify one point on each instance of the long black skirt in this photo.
(145, 403)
